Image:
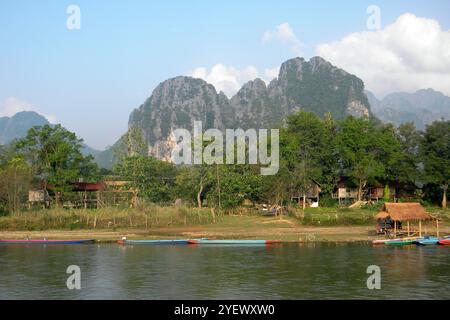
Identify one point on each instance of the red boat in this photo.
(444, 241)
(45, 241)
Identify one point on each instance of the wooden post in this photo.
(408, 228)
(395, 228)
(420, 228)
(437, 228)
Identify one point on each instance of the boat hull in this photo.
(81, 241)
(157, 241)
(445, 241)
(399, 242)
(383, 241)
(427, 241)
(233, 242)
(153, 242)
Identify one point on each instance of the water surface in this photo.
(315, 271)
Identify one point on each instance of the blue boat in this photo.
(427, 240)
(45, 241)
(156, 242)
(232, 242)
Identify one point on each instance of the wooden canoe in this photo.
(445, 241)
(44, 241)
(173, 242)
(427, 241)
(156, 242)
(394, 241)
(233, 242)
(401, 242)
(383, 241)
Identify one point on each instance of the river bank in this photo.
(229, 227)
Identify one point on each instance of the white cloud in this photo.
(285, 34)
(410, 54)
(12, 105)
(271, 73)
(229, 79)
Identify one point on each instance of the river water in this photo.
(313, 271)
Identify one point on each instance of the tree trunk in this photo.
(199, 194)
(444, 197)
(304, 201)
(218, 183)
(360, 190)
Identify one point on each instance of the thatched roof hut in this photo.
(407, 211)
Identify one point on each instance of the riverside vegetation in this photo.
(154, 216)
(312, 150)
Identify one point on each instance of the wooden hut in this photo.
(397, 213)
(344, 191)
(311, 196)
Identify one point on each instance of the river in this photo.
(312, 271)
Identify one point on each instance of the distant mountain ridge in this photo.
(17, 126)
(315, 85)
(421, 107)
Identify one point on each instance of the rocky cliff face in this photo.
(318, 86)
(177, 103)
(315, 85)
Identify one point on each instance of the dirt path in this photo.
(285, 229)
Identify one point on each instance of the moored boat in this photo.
(233, 242)
(428, 240)
(383, 241)
(173, 242)
(157, 241)
(445, 241)
(403, 241)
(46, 241)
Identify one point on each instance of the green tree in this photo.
(435, 153)
(306, 152)
(193, 182)
(54, 155)
(151, 178)
(406, 168)
(366, 151)
(233, 184)
(16, 179)
(132, 143)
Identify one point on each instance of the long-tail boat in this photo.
(46, 241)
(232, 242)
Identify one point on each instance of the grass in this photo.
(334, 216)
(107, 218)
(438, 212)
(150, 221)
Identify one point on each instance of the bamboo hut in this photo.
(408, 212)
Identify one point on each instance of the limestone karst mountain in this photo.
(315, 85)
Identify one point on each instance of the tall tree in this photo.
(54, 155)
(435, 153)
(16, 179)
(405, 168)
(132, 143)
(193, 182)
(365, 151)
(306, 151)
(151, 178)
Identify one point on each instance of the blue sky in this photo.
(91, 79)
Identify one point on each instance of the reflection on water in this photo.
(313, 271)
